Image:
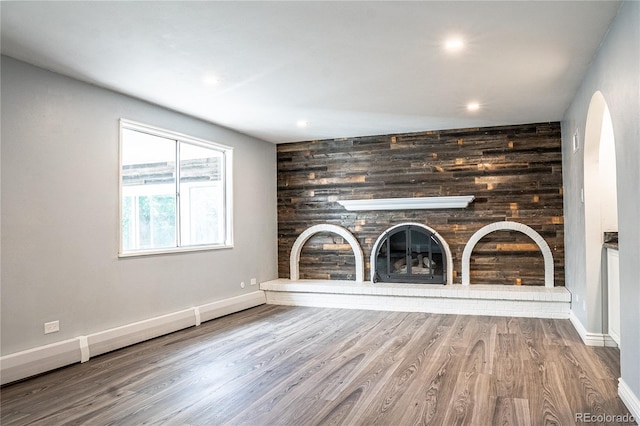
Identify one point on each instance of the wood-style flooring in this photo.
(277, 365)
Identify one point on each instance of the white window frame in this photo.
(227, 154)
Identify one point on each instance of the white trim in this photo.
(41, 359)
(629, 398)
(508, 226)
(170, 250)
(294, 258)
(591, 339)
(447, 250)
(196, 313)
(34, 361)
(170, 134)
(119, 337)
(228, 196)
(512, 301)
(234, 304)
(613, 294)
(84, 349)
(415, 203)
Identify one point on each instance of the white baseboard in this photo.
(120, 337)
(228, 306)
(38, 360)
(609, 341)
(591, 339)
(630, 399)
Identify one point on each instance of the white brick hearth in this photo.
(496, 300)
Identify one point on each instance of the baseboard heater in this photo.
(21, 365)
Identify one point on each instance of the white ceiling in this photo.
(348, 68)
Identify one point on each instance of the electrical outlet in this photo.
(254, 281)
(242, 284)
(51, 327)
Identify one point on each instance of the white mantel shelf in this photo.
(416, 203)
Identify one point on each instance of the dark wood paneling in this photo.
(515, 173)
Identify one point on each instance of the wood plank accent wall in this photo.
(515, 173)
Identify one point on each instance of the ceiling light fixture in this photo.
(302, 123)
(454, 44)
(210, 80)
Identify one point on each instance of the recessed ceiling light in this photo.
(302, 123)
(210, 80)
(473, 106)
(454, 44)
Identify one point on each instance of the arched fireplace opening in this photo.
(410, 253)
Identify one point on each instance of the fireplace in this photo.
(410, 253)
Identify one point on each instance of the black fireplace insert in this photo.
(411, 254)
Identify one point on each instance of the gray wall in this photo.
(60, 214)
(616, 73)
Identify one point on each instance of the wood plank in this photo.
(515, 172)
(295, 365)
(511, 247)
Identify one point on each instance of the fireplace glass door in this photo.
(411, 254)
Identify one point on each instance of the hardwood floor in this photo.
(277, 365)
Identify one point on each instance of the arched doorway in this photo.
(600, 215)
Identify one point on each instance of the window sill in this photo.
(173, 250)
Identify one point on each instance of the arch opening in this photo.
(327, 256)
(513, 226)
(600, 215)
(294, 259)
(507, 257)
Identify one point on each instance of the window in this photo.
(175, 192)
